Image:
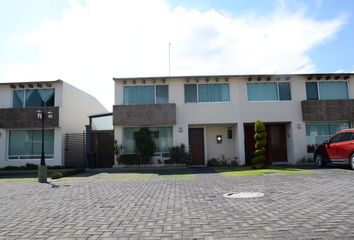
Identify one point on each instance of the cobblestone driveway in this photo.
(153, 206)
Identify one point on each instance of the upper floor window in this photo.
(150, 94)
(33, 98)
(327, 90)
(218, 92)
(270, 91)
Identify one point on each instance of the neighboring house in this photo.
(20, 129)
(214, 115)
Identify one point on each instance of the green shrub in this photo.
(213, 163)
(129, 159)
(145, 145)
(260, 136)
(31, 166)
(55, 167)
(178, 154)
(11, 168)
(57, 175)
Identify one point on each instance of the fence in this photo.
(75, 150)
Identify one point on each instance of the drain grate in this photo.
(243, 195)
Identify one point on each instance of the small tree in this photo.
(178, 154)
(260, 136)
(145, 145)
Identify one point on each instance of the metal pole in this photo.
(42, 155)
(169, 59)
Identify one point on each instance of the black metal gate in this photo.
(102, 145)
(75, 150)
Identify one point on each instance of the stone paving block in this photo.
(314, 206)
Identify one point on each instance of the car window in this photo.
(341, 137)
(336, 138)
(347, 136)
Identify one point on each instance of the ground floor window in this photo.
(317, 132)
(162, 137)
(27, 144)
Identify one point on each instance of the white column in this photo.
(240, 144)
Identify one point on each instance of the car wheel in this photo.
(351, 161)
(320, 161)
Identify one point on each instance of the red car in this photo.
(339, 149)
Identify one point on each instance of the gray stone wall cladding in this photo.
(144, 115)
(327, 110)
(27, 117)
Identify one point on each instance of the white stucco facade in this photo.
(216, 117)
(74, 108)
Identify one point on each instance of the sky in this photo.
(88, 42)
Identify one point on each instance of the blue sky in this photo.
(88, 41)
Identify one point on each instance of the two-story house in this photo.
(214, 115)
(20, 128)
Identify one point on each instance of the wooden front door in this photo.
(196, 143)
(277, 143)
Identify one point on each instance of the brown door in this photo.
(277, 143)
(249, 143)
(196, 143)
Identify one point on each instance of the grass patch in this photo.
(18, 180)
(248, 171)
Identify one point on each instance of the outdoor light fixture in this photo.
(180, 129)
(42, 168)
(218, 139)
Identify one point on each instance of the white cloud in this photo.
(94, 42)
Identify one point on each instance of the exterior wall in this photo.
(236, 112)
(225, 150)
(154, 114)
(77, 106)
(74, 108)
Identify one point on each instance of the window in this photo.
(33, 98)
(229, 133)
(318, 132)
(311, 91)
(272, 91)
(27, 144)
(190, 93)
(161, 94)
(327, 90)
(102, 123)
(145, 94)
(342, 137)
(162, 137)
(218, 92)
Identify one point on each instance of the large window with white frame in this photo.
(204, 93)
(145, 94)
(269, 91)
(323, 90)
(162, 137)
(317, 132)
(27, 144)
(27, 98)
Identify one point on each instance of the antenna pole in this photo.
(169, 59)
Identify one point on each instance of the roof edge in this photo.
(233, 75)
(33, 82)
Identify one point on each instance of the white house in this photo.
(214, 115)
(20, 129)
